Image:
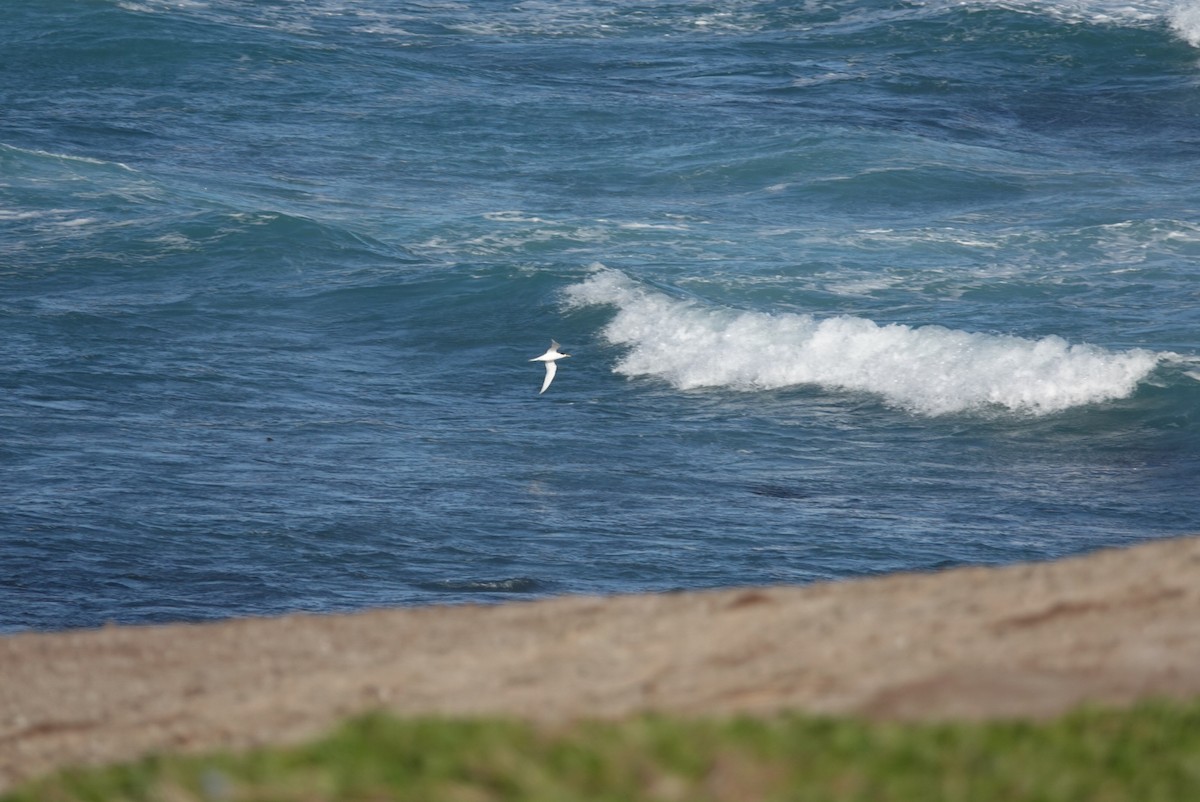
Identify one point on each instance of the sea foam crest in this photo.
(930, 370)
(1185, 21)
(1183, 16)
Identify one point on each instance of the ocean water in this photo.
(849, 287)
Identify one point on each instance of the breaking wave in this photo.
(929, 370)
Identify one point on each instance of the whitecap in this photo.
(930, 370)
(1185, 21)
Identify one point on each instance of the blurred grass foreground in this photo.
(1148, 753)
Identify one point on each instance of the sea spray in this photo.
(930, 370)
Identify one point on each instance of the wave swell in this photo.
(929, 370)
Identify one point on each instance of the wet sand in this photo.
(1027, 640)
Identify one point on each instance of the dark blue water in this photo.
(849, 288)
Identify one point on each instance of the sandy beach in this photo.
(1026, 640)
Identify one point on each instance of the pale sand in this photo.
(1028, 640)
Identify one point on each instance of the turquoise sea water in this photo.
(849, 288)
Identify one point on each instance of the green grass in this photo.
(1148, 754)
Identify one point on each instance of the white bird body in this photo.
(550, 357)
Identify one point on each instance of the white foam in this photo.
(653, 226)
(1183, 16)
(1088, 11)
(512, 216)
(1185, 21)
(591, 18)
(63, 157)
(8, 215)
(929, 369)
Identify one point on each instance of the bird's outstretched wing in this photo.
(551, 369)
